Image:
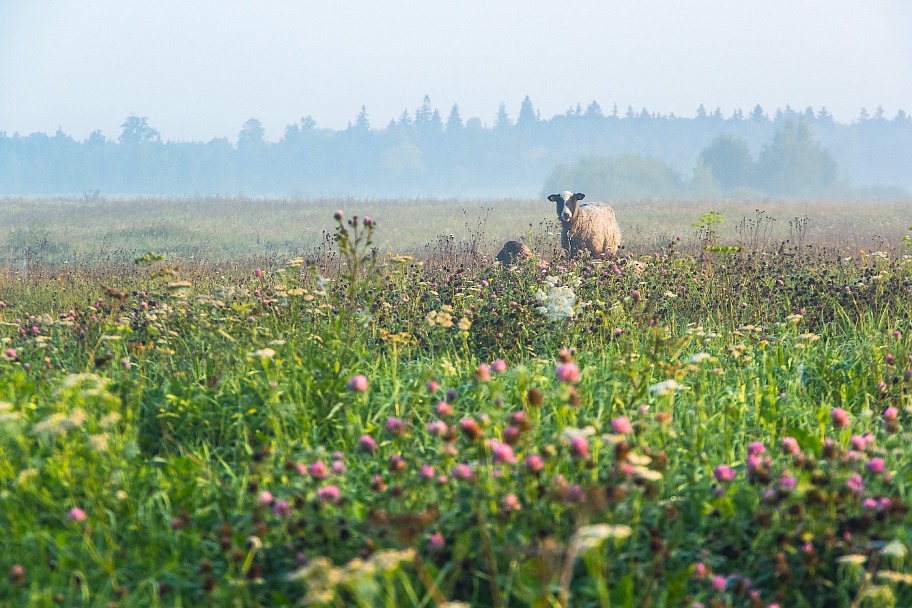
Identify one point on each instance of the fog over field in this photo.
(474, 99)
(288, 318)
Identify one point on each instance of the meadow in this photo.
(234, 402)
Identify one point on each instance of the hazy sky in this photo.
(199, 68)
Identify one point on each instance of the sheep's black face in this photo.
(567, 204)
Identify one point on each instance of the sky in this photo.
(199, 69)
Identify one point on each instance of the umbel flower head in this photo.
(557, 302)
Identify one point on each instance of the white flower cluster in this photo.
(557, 302)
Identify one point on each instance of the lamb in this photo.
(588, 227)
(513, 252)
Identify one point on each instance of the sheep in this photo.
(513, 252)
(588, 227)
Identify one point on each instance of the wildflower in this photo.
(755, 447)
(557, 303)
(621, 425)
(788, 483)
(890, 576)
(829, 448)
(568, 372)
(719, 582)
(258, 272)
(575, 494)
(11, 353)
(397, 463)
(435, 542)
(668, 387)
(432, 386)
(521, 420)
(470, 428)
(699, 358)
(856, 484)
(499, 366)
(264, 498)
(444, 409)
(501, 452)
(855, 559)
(790, 445)
(462, 471)
(338, 215)
(862, 442)
(17, 575)
(840, 418)
(579, 447)
(890, 414)
(358, 383)
(338, 467)
(888, 359)
(511, 503)
(281, 508)
(366, 443)
(263, 353)
(895, 549)
(438, 428)
(723, 473)
(318, 470)
(395, 426)
(875, 465)
(754, 461)
(76, 514)
(328, 494)
(534, 463)
(511, 435)
(483, 372)
(427, 471)
(700, 570)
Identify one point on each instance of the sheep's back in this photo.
(599, 228)
(597, 207)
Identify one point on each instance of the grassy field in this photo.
(267, 416)
(97, 230)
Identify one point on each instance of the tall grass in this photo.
(353, 426)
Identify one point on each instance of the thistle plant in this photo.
(358, 257)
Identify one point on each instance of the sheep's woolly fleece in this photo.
(592, 227)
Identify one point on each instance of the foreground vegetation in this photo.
(691, 423)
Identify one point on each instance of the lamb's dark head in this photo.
(567, 203)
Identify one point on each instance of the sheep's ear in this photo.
(553, 198)
(579, 196)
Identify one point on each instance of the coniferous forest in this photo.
(783, 153)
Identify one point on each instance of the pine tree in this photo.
(454, 120)
(424, 113)
(502, 120)
(526, 114)
(362, 122)
(594, 110)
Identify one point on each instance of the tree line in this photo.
(633, 153)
